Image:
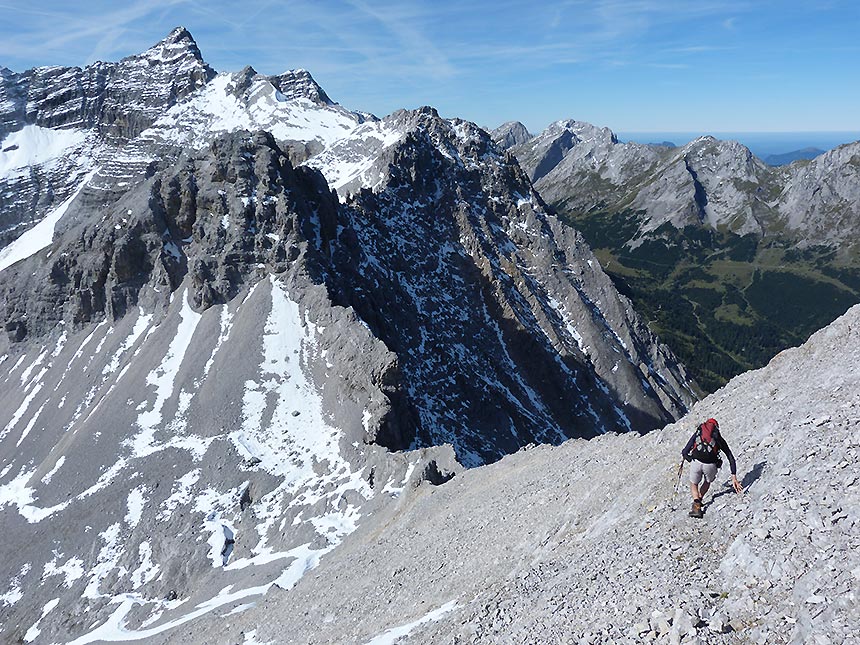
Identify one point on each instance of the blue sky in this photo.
(632, 65)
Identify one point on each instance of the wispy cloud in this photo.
(412, 41)
(481, 55)
(69, 26)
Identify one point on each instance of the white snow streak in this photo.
(41, 235)
(140, 326)
(114, 630)
(391, 636)
(50, 474)
(34, 145)
(163, 378)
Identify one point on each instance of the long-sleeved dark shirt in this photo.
(712, 459)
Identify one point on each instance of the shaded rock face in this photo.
(721, 185)
(491, 304)
(298, 83)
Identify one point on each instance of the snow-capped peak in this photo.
(177, 44)
(249, 101)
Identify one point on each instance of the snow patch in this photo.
(136, 504)
(391, 636)
(297, 438)
(147, 571)
(34, 145)
(114, 630)
(163, 378)
(216, 108)
(72, 570)
(107, 560)
(180, 496)
(14, 593)
(41, 235)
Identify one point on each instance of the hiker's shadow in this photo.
(749, 479)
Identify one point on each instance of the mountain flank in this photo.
(586, 542)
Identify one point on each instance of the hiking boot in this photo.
(696, 511)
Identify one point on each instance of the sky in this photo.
(632, 65)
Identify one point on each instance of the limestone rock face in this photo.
(821, 197)
(490, 301)
(119, 100)
(59, 124)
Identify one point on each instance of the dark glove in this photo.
(719, 463)
(687, 458)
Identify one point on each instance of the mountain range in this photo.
(241, 320)
(781, 159)
(731, 260)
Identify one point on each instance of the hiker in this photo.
(702, 451)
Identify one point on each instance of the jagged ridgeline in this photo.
(239, 318)
(730, 260)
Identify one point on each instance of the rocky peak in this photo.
(458, 222)
(298, 83)
(117, 100)
(510, 134)
(543, 154)
(178, 44)
(241, 82)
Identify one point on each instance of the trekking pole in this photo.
(678, 483)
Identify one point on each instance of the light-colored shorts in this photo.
(699, 470)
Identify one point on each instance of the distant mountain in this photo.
(662, 144)
(731, 259)
(510, 134)
(794, 155)
(252, 319)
